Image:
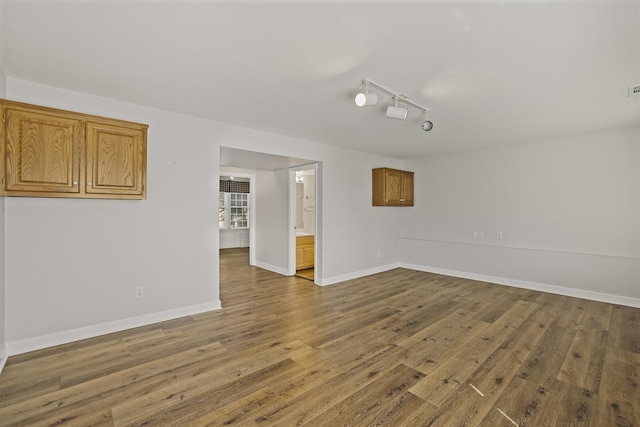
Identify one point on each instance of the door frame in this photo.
(317, 240)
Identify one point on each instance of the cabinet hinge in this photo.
(3, 182)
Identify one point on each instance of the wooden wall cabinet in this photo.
(305, 253)
(392, 187)
(54, 153)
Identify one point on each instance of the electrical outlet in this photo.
(499, 235)
(481, 234)
(139, 292)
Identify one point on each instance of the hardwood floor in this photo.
(401, 348)
(307, 273)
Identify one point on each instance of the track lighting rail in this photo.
(393, 111)
(396, 96)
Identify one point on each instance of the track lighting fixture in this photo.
(393, 111)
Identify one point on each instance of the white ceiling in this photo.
(491, 72)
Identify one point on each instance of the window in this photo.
(233, 210)
(222, 217)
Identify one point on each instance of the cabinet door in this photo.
(41, 152)
(116, 160)
(310, 256)
(300, 259)
(392, 187)
(406, 197)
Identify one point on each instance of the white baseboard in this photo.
(570, 292)
(3, 357)
(64, 337)
(273, 268)
(356, 274)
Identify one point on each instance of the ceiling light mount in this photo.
(393, 111)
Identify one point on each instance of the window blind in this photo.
(228, 186)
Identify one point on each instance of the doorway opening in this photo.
(272, 237)
(236, 216)
(305, 222)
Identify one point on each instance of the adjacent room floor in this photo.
(397, 348)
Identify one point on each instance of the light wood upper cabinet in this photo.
(54, 153)
(115, 159)
(392, 187)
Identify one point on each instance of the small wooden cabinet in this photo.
(392, 187)
(54, 153)
(305, 255)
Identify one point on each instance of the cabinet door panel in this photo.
(407, 189)
(41, 152)
(392, 184)
(116, 159)
(300, 260)
(310, 256)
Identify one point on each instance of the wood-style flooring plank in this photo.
(441, 382)
(624, 332)
(619, 394)
(363, 406)
(582, 366)
(597, 316)
(476, 397)
(310, 404)
(81, 400)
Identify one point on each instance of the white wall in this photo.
(3, 94)
(272, 220)
(73, 265)
(360, 232)
(233, 238)
(568, 209)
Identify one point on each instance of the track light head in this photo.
(395, 112)
(366, 98)
(427, 125)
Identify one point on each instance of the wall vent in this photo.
(634, 91)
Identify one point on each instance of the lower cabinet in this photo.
(304, 252)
